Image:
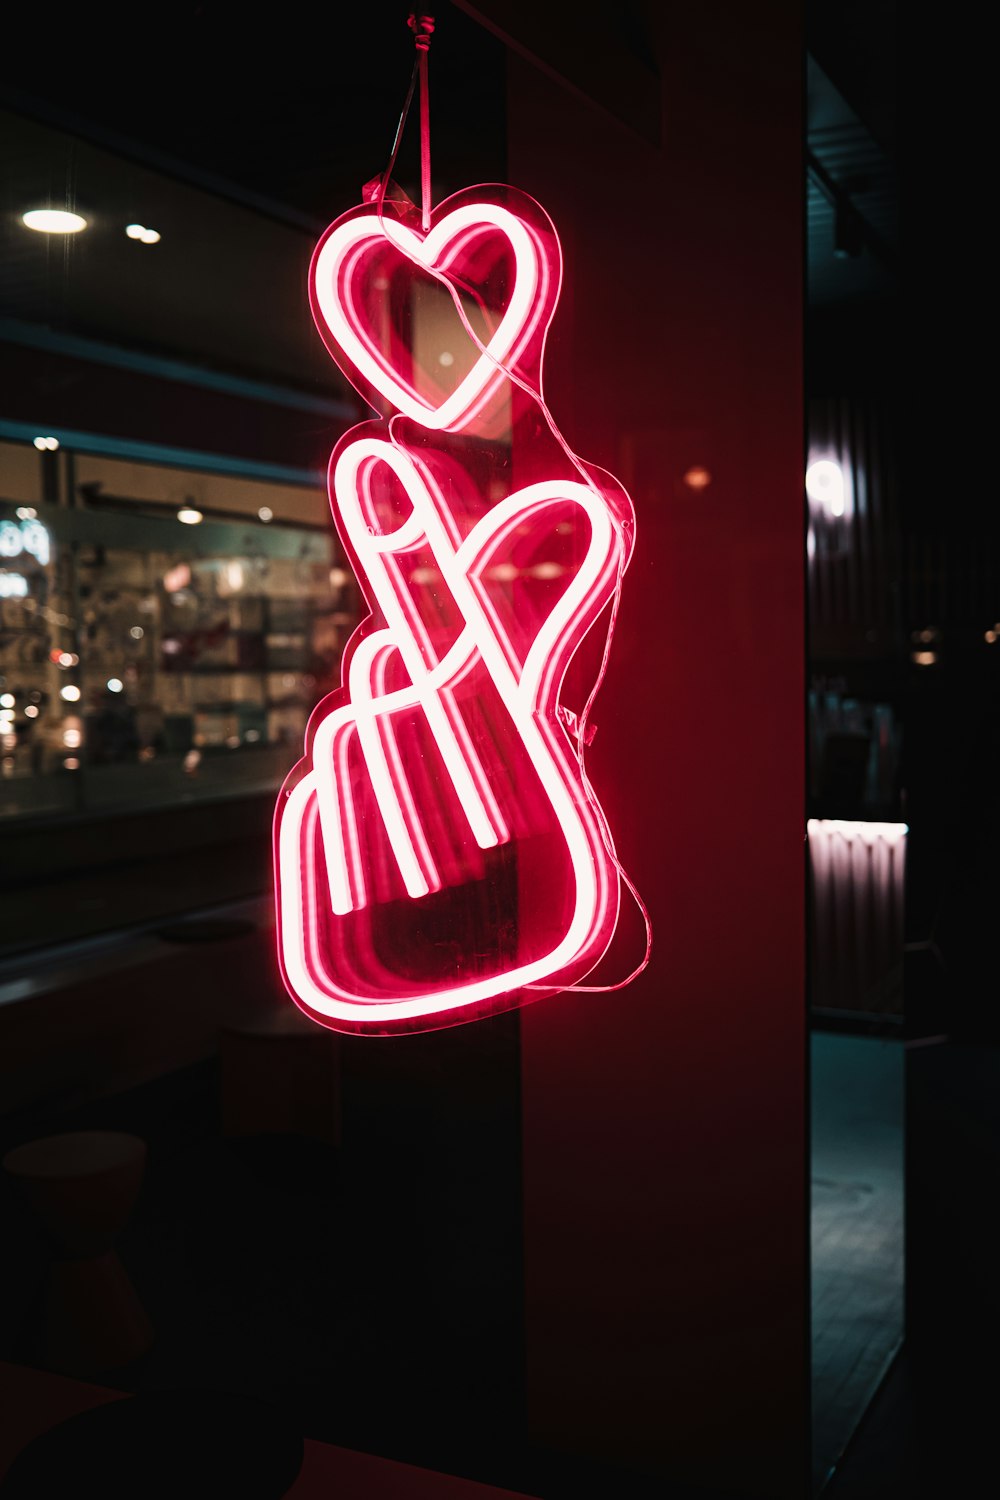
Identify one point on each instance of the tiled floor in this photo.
(857, 1230)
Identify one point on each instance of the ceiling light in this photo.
(265, 513)
(115, 685)
(141, 233)
(189, 516)
(31, 712)
(46, 444)
(70, 692)
(53, 221)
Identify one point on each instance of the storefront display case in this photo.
(148, 662)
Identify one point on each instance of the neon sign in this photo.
(441, 854)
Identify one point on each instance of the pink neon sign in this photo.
(440, 852)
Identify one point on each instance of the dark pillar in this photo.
(664, 1126)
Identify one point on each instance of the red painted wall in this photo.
(664, 1126)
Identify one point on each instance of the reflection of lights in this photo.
(926, 636)
(70, 692)
(825, 485)
(71, 763)
(137, 632)
(547, 570)
(46, 444)
(66, 659)
(25, 536)
(232, 741)
(141, 233)
(177, 578)
(115, 685)
(26, 513)
(13, 586)
(53, 221)
(990, 637)
(339, 579)
(252, 736)
(8, 741)
(72, 738)
(6, 700)
(266, 513)
(31, 712)
(504, 572)
(923, 658)
(170, 646)
(6, 716)
(850, 829)
(188, 516)
(191, 761)
(446, 359)
(697, 478)
(233, 574)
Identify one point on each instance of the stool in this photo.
(82, 1188)
(280, 1074)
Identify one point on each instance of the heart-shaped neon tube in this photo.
(340, 260)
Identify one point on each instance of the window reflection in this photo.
(144, 661)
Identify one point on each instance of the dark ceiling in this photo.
(288, 111)
(223, 126)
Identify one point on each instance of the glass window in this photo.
(146, 661)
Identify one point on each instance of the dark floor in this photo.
(399, 1251)
(857, 1231)
(931, 1430)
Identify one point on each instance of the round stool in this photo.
(82, 1188)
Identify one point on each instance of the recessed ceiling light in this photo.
(266, 513)
(53, 221)
(140, 232)
(189, 516)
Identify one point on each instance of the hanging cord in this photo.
(422, 27)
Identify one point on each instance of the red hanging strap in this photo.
(423, 28)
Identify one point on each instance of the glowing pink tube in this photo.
(402, 715)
